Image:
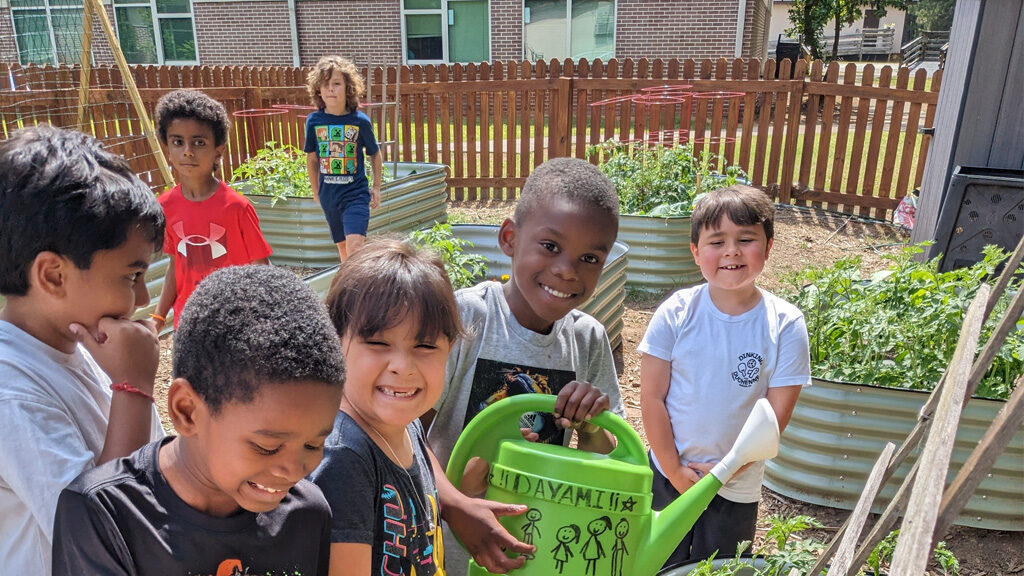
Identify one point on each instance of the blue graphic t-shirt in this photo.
(340, 143)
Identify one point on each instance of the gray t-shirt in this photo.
(499, 357)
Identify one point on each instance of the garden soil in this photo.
(802, 238)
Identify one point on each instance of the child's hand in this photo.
(701, 468)
(683, 478)
(128, 351)
(578, 402)
(375, 196)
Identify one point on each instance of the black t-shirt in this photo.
(376, 502)
(123, 518)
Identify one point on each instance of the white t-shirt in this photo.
(53, 421)
(721, 365)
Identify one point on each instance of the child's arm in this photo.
(655, 377)
(129, 352)
(474, 521)
(313, 171)
(167, 295)
(348, 558)
(783, 400)
(377, 164)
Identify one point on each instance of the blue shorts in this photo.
(346, 213)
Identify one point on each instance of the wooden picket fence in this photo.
(816, 135)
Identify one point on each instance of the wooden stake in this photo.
(841, 564)
(133, 91)
(1003, 428)
(86, 65)
(913, 546)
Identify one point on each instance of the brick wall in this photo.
(677, 29)
(367, 31)
(8, 48)
(253, 33)
(755, 30)
(506, 30)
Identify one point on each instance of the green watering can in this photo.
(590, 514)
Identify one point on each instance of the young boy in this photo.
(710, 352)
(77, 230)
(337, 134)
(209, 224)
(526, 336)
(258, 376)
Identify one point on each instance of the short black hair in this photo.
(61, 192)
(192, 105)
(246, 327)
(385, 281)
(744, 205)
(576, 180)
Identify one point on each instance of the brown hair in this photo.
(387, 280)
(744, 205)
(355, 88)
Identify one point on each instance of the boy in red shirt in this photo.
(209, 224)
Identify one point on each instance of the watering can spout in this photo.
(758, 440)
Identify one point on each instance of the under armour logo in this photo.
(216, 233)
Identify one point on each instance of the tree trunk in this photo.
(835, 41)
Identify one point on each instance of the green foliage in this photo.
(809, 18)
(802, 554)
(900, 327)
(936, 15)
(661, 181)
(280, 172)
(275, 171)
(464, 268)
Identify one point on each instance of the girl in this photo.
(395, 311)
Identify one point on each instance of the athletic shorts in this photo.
(347, 213)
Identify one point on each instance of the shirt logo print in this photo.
(748, 369)
(195, 242)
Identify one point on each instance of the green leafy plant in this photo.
(881, 556)
(464, 268)
(780, 528)
(900, 327)
(275, 171)
(661, 181)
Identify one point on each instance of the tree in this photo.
(809, 18)
(933, 14)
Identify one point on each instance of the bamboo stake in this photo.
(86, 64)
(914, 543)
(133, 91)
(842, 563)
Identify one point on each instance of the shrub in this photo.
(464, 268)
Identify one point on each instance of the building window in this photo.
(48, 31)
(436, 31)
(568, 29)
(156, 31)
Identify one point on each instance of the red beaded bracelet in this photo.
(126, 387)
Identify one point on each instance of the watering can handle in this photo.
(500, 421)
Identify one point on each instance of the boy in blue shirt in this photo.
(337, 135)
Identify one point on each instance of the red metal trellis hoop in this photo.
(613, 100)
(717, 95)
(256, 112)
(660, 99)
(294, 107)
(668, 88)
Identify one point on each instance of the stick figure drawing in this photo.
(531, 529)
(619, 550)
(593, 550)
(561, 552)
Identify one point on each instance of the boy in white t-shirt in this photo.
(710, 352)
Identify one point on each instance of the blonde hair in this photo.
(355, 88)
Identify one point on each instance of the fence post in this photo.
(561, 114)
(796, 97)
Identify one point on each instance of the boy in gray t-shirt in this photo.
(526, 336)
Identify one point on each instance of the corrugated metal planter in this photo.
(750, 566)
(298, 233)
(838, 430)
(606, 304)
(659, 252)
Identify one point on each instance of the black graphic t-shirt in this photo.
(376, 502)
(340, 143)
(494, 380)
(123, 518)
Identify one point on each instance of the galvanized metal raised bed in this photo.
(298, 233)
(838, 430)
(659, 252)
(606, 304)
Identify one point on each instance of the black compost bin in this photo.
(983, 206)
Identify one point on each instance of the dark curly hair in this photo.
(384, 282)
(61, 192)
(744, 205)
(355, 88)
(576, 180)
(246, 327)
(192, 105)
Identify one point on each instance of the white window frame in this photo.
(443, 13)
(49, 25)
(157, 36)
(568, 27)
